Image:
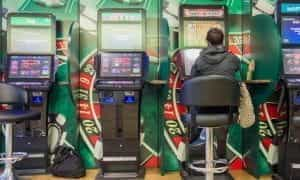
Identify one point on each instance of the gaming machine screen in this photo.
(31, 35)
(195, 32)
(121, 36)
(290, 30)
(121, 65)
(121, 31)
(33, 67)
(291, 61)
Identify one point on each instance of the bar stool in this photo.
(18, 98)
(215, 100)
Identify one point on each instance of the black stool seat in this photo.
(212, 120)
(15, 116)
(213, 101)
(214, 98)
(19, 99)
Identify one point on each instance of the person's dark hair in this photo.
(215, 36)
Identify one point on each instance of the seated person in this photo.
(215, 60)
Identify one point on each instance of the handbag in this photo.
(67, 163)
(246, 109)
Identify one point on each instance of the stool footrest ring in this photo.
(220, 166)
(16, 156)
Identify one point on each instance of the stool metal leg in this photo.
(209, 154)
(8, 171)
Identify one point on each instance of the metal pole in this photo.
(209, 154)
(8, 171)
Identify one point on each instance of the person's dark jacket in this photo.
(215, 60)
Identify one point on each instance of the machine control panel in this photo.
(36, 98)
(33, 85)
(135, 84)
(116, 97)
(296, 97)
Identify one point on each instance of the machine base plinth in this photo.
(186, 176)
(122, 175)
(26, 172)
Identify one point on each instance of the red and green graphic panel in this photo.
(89, 107)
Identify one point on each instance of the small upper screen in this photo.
(31, 35)
(121, 65)
(189, 58)
(290, 30)
(33, 67)
(195, 32)
(121, 31)
(291, 61)
(290, 8)
(203, 12)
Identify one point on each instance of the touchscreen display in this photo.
(189, 58)
(121, 65)
(33, 67)
(290, 30)
(291, 61)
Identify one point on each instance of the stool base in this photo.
(8, 175)
(123, 175)
(186, 176)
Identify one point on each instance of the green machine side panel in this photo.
(65, 9)
(121, 4)
(88, 47)
(266, 47)
(234, 6)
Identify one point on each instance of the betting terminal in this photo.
(195, 22)
(121, 67)
(30, 65)
(289, 25)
